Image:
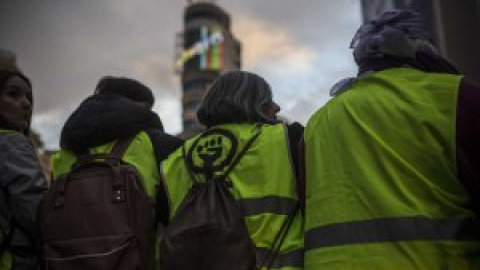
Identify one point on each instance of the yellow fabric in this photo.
(6, 261)
(360, 167)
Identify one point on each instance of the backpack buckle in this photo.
(119, 194)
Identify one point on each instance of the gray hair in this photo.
(235, 97)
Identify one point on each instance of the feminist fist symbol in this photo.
(210, 151)
(213, 151)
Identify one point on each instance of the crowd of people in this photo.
(383, 176)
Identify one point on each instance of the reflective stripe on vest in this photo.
(267, 204)
(139, 153)
(392, 230)
(265, 193)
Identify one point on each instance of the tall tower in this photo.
(205, 49)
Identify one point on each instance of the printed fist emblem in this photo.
(210, 150)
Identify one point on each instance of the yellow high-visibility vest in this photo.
(382, 187)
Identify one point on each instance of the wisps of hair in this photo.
(235, 97)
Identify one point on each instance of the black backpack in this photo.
(98, 216)
(208, 231)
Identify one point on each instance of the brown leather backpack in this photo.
(98, 216)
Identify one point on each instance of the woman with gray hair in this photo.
(392, 160)
(247, 146)
(238, 97)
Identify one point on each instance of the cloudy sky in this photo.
(299, 46)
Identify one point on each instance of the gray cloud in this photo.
(66, 46)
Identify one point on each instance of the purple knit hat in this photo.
(400, 33)
(398, 38)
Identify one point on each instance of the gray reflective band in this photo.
(290, 259)
(393, 229)
(268, 204)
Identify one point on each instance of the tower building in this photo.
(204, 49)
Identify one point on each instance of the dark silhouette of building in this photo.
(455, 25)
(205, 49)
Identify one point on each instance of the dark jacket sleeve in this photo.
(295, 134)
(467, 136)
(163, 144)
(301, 180)
(22, 180)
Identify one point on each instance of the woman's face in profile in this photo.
(15, 104)
(270, 110)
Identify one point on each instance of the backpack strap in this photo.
(282, 233)
(274, 249)
(113, 159)
(240, 155)
(85, 157)
(115, 154)
(120, 147)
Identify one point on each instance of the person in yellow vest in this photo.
(22, 180)
(238, 106)
(120, 107)
(389, 172)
